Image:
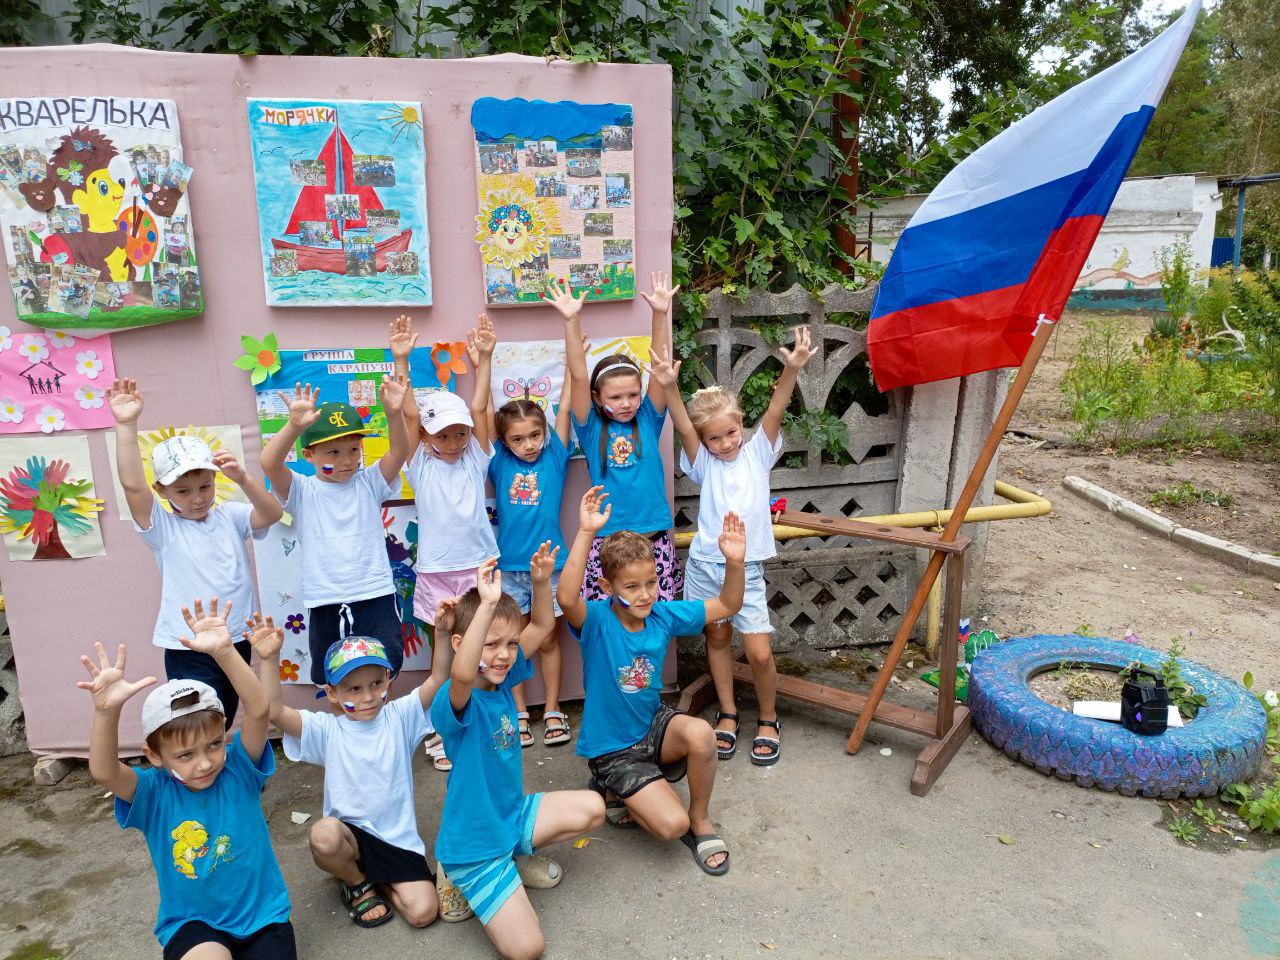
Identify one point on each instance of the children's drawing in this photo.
(226, 437)
(349, 375)
(534, 370)
(98, 232)
(543, 170)
(278, 558)
(48, 507)
(51, 380)
(342, 203)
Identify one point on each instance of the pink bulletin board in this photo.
(58, 608)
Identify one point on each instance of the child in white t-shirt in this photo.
(347, 585)
(200, 547)
(734, 475)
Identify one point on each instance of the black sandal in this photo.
(773, 743)
(726, 753)
(362, 898)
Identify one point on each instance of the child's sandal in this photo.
(360, 900)
(774, 745)
(726, 753)
(615, 811)
(526, 735)
(555, 736)
(433, 747)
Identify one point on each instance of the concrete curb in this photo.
(1242, 558)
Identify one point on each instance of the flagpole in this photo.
(1044, 330)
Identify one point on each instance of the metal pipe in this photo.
(1235, 252)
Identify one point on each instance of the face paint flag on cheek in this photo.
(326, 469)
(348, 706)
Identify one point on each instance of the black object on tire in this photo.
(1223, 745)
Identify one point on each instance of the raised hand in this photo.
(543, 563)
(593, 512)
(562, 298)
(108, 687)
(125, 400)
(402, 338)
(662, 369)
(264, 636)
(799, 355)
(733, 538)
(489, 581)
(210, 631)
(302, 405)
(482, 338)
(226, 461)
(446, 611)
(660, 299)
(392, 392)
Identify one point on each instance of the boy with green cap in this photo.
(347, 586)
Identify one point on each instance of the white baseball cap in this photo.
(175, 456)
(444, 409)
(174, 699)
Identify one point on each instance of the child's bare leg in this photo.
(415, 900)
(334, 850)
(552, 664)
(207, 951)
(692, 737)
(720, 666)
(515, 930)
(565, 814)
(658, 808)
(518, 692)
(765, 673)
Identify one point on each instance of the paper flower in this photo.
(1271, 699)
(50, 419)
(11, 411)
(33, 348)
(448, 360)
(295, 623)
(61, 340)
(6, 338)
(288, 670)
(90, 397)
(261, 357)
(88, 365)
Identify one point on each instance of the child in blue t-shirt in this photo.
(199, 804)
(619, 426)
(527, 470)
(635, 745)
(488, 820)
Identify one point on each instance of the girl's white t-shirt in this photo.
(454, 532)
(740, 485)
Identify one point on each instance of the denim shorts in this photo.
(519, 585)
(703, 580)
(488, 884)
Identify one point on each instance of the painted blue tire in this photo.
(1223, 745)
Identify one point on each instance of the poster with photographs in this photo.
(94, 208)
(342, 202)
(554, 183)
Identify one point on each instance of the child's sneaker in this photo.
(433, 747)
(453, 905)
(539, 873)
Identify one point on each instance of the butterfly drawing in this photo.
(288, 545)
(81, 144)
(528, 388)
(284, 597)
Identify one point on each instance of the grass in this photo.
(1187, 494)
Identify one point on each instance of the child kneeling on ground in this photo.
(488, 819)
(635, 745)
(199, 806)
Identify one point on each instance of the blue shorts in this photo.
(489, 884)
(519, 585)
(703, 580)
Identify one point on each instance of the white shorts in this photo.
(703, 580)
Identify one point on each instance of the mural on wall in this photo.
(48, 508)
(51, 381)
(342, 202)
(96, 220)
(225, 437)
(554, 185)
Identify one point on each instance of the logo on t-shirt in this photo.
(524, 489)
(505, 737)
(636, 676)
(622, 450)
(191, 846)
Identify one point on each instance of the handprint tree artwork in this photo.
(47, 507)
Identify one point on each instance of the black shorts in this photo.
(191, 665)
(382, 862)
(272, 942)
(626, 771)
(377, 617)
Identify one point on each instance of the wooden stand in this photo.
(947, 725)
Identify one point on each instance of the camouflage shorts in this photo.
(624, 772)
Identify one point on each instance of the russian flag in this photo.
(999, 243)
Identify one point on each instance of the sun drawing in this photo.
(224, 488)
(512, 229)
(405, 118)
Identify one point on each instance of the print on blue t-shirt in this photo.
(485, 789)
(527, 498)
(622, 671)
(631, 472)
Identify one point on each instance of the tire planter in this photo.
(1223, 745)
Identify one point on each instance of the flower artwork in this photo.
(223, 437)
(554, 192)
(48, 510)
(261, 357)
(53, 380)
(449, 358)
(95, 219)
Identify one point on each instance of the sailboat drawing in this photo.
(336, 157)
